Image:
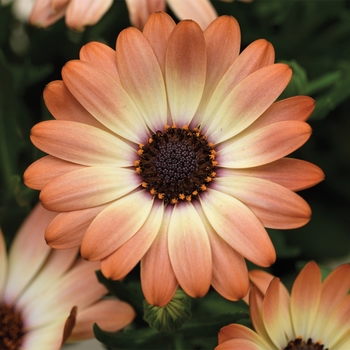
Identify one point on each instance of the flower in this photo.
(170, 150)
(39, 287)
(79, 13)
(201, 11)
(314, 316)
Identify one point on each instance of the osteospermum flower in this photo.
(39, 287)
(201, 11)
(78, 13)
(169, 150)
(314, 317)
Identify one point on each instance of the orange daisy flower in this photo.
(79, 13)
(170, 150)
(314, 317)
(39, 287)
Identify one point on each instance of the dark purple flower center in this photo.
(300, 344)
(11, 328)
(176, 164)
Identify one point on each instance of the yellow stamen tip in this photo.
(153, 191)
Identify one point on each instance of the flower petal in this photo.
(88, 187)
(185, 71)
(102, 56)
(68, 291)
(247, 101)
(81, 13)
(58, 262)
(257, 55)
(201, 11)
(140, 11)
(64, 106)
(334, 288)
(223, 39)
(189, 250)
(105, 99)
(230, 274)
(261, 279)
(240, 344)
(265, 145)
(238, 226)
(294, 174)
(115, 225)
(255, 306)
(42, 14)
(293, 108)
(272, 315)
(46, 338)
(28, 253)
(274, 205)
(238, 331)
(305, 298)
(91, 146)
(117, 265)
(158, 280)
(66, 230)
(157, 30)
(110, 315)
(45, 169)
(142, 77)
(338, 325)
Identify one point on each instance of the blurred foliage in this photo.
(313, 37)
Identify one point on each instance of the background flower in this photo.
(40, 286)
(78, 13)
(201, 11)
(314, 316)
(189, 201)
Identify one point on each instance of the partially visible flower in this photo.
(170, 150)
(201, 11)
(39, 287)
(79, 13)
(316, 316)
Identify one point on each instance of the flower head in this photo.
(39, 287)
(79, 13)
(314, 317)
(170, 150)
